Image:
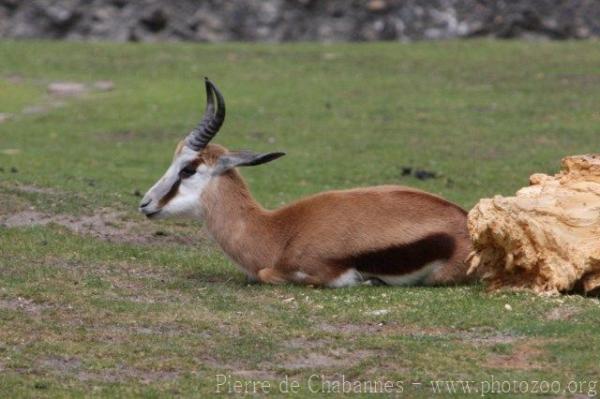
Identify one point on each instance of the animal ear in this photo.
(244, 158)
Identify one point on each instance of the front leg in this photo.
(331, 278)
(270, 275)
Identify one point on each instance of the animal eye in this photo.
(187, 172)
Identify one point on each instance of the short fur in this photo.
(394, 234)
(382, 231)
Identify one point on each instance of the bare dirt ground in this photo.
(107, 224)
(104, 223)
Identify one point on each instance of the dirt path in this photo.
(110, 225)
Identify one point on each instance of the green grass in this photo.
(158, 311)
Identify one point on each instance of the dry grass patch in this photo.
(527, 354)
(109, 225)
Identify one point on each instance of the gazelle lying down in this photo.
(395, 234)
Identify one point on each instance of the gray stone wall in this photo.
(297, 20)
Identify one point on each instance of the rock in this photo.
(10, 4)
(545, 238)
(156, 20)
(66, 88)
(422, 174)
(104, 85)
(34, 109)
(297, 20)
(376, 5)
(378, 312)
(61, 15)
(10, 151)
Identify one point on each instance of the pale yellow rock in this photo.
(547, 237)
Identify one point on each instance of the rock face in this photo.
(297, 20)
(547, 237)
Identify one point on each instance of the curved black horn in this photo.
(210, 124)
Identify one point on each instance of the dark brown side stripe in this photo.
(403, 259)
(172, 193)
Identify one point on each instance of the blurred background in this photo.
(297, 20)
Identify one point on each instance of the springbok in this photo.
(394, 234)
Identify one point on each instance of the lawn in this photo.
(95, 300)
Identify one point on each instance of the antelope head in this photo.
(195, 163)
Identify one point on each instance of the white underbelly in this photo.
(348, 278)
(352, 276)
(412, 278)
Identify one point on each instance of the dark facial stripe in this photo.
(194, 164)
(170, 194)
(176, 179)
(403, 259)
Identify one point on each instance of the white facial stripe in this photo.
(171, 176)
(186, 201)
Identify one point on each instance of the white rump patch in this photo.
(346, 279)
(413, 278)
